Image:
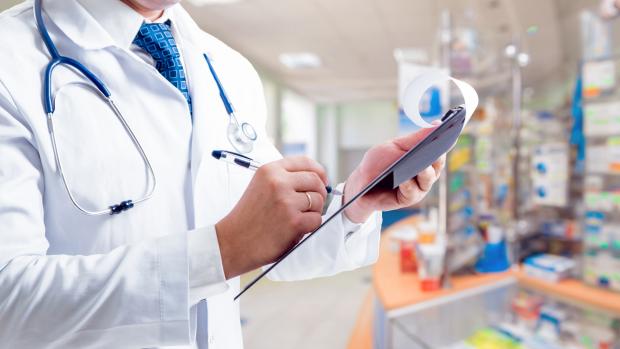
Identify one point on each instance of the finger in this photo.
(439, 164)
(305, 181)
(303, 163)
(308, 221)
(409, 141)
(426, 178)
(315, 203)
(406, 190)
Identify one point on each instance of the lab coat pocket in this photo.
(238, 180)
(101, 163)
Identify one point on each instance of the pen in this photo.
(246, 162)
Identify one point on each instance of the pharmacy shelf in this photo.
(399, 292)
(575, 292)
(396, 290)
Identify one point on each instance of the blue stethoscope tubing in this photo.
(241, 136)
(57, 59)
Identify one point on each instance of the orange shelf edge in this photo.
(574, 291)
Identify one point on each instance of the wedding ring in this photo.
(309, 201)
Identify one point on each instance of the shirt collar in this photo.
(119, 20)
(96, 24)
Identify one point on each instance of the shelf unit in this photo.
(601, 220)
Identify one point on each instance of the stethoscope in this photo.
(240, 135)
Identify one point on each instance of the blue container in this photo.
(494, 258)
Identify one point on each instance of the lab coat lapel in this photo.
(210, 117)
(209, 130)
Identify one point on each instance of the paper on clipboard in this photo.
(414, 92)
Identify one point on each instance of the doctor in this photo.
(163, 269)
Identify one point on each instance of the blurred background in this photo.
(518, 246)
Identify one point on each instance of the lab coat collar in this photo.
(119, 20)
(76, 23)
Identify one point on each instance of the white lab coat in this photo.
(70, 280)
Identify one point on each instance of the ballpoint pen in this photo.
(246, 162)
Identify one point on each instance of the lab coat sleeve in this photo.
(133, 296)
(206, 272)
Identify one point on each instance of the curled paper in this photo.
(416, 89)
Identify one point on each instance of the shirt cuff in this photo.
(361, 239)
(348, 226)
(206, 272)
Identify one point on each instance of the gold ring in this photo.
(309, 201)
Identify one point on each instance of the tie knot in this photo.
(157, 40)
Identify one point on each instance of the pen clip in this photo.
(218, 154)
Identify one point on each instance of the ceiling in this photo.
(356, 38)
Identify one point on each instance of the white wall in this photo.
(366, 123)
(5, 4)
(347, 130)
(273, 99)
(298, 124)
(327, 140)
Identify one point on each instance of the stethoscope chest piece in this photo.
(241, 137)
(248, 131)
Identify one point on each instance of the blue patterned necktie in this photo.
(157, 40)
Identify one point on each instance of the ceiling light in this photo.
(211, 2)
(523, 59)
(411, 55)
(510, 51)
(300, 60)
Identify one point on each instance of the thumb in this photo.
(409, 141)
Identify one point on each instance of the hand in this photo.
(375, 161)
(272, 215)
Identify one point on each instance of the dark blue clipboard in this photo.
(421, 156)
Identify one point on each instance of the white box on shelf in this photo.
(549, 267)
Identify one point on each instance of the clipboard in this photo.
(421, 156)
